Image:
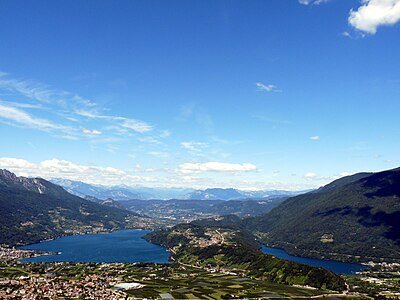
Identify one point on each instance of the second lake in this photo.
(332, 265)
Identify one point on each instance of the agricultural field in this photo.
(153, 281)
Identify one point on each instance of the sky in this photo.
(260, 94)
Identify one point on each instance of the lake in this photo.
(334, 266)
(124, 246)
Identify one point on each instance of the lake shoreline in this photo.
(120, 246)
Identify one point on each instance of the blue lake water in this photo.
(125, 246)
(334, 266)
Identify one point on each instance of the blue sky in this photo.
(247, 94)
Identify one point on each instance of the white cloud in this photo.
(375, 13)
(215, 167)
(109, 176)
(150, 140)
(159, 154)
(56, 168)
(317, 177)
(165, 134)
(315, 138)
(194, 146)
(136, 125)
(91, 132)
(311, 175)
(266, 87)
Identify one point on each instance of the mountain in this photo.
(82, 189)
(215, 194)
(121, 192)
(124, 192)
(33, 209)
(353, 218)
(234, 194)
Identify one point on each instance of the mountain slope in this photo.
(354, 216)
(33, 209)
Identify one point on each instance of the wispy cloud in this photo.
(150, 140)
(132, 124)
(138, 126)
(67, 114)
(194, 146)
(16, 116)
(312, 2)
(44, 93)
(315, 138)
(272, 120)
(159, 154)
(262, 87)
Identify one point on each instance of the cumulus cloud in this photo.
(216, 167)
(266, 87)
(56, 168)
(315, 138)
(375, 13)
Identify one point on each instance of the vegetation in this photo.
(232, 250)
(185, 209)
(356, 218)
(32, 210)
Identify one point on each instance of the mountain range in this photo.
(123, 192)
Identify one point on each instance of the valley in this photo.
(216, 240)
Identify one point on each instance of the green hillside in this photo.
(35, 209)
(201, 245)
(353, 218)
